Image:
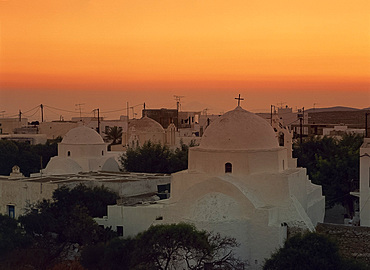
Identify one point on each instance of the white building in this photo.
(82, 150)
(8, 125)
(340, 130)
(240, 183)
(55, 129)
(17, 193)
(365, 183)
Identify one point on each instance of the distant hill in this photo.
(333, 109)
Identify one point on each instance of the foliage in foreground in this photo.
(172, 246)
(11, 235)
(155, 158)
(333, 164)
(310, 251)
(53, 226)
(27, 157)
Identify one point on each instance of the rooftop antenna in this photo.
(280, 104)
(205, 111)
(178, 101)
(239, 99)
(79, 108)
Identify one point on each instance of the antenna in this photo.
(178, 101)
(79, 108)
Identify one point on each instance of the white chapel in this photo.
(81, 150)
(239, 183)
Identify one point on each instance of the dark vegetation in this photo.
(310, 251)
(28, 157)
(333, 164)
(162, 247)
(156, 158)
(51, 227)
(114, 135)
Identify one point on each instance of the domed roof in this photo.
(239, 130)
(82, 135)
(146, 124)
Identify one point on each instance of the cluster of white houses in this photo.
(241, 181)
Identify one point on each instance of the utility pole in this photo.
(178, 106)
(300, 116)
(272, 106)
(42, 112)
(20, 116)
(366, 126)
(98, 128)
(128, 112)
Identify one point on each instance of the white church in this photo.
(239, 183)
(82, 150)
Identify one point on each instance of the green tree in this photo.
(27, 157)
(310, 251)
(94, 199)
(69, 215)
(333, 164)
(11, 235)
(115, 255)
(8, 156)
(173, 246)
(155, 158)
(114, 135)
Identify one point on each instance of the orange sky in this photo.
(193, 48)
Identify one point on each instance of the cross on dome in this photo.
(239, 99)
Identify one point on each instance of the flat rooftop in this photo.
(109, 177)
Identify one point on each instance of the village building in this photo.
(239, 183)
(82, 150)
(19, 193)
(8, 125)
(141, 130)
(365, 183)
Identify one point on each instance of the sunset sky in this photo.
(107, 53)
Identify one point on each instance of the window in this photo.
(120, 230)
(11, 211)
(281, 139)
(102, 153)
(69, 153)
(228, 167)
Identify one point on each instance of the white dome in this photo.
(239, 130)
(146, 124)
(82, 135)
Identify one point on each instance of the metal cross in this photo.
(239, 99)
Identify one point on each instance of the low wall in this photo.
(353, 241)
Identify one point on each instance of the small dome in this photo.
(82, 135)
(146, 124)
(239, 130)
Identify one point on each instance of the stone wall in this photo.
(353, 241)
